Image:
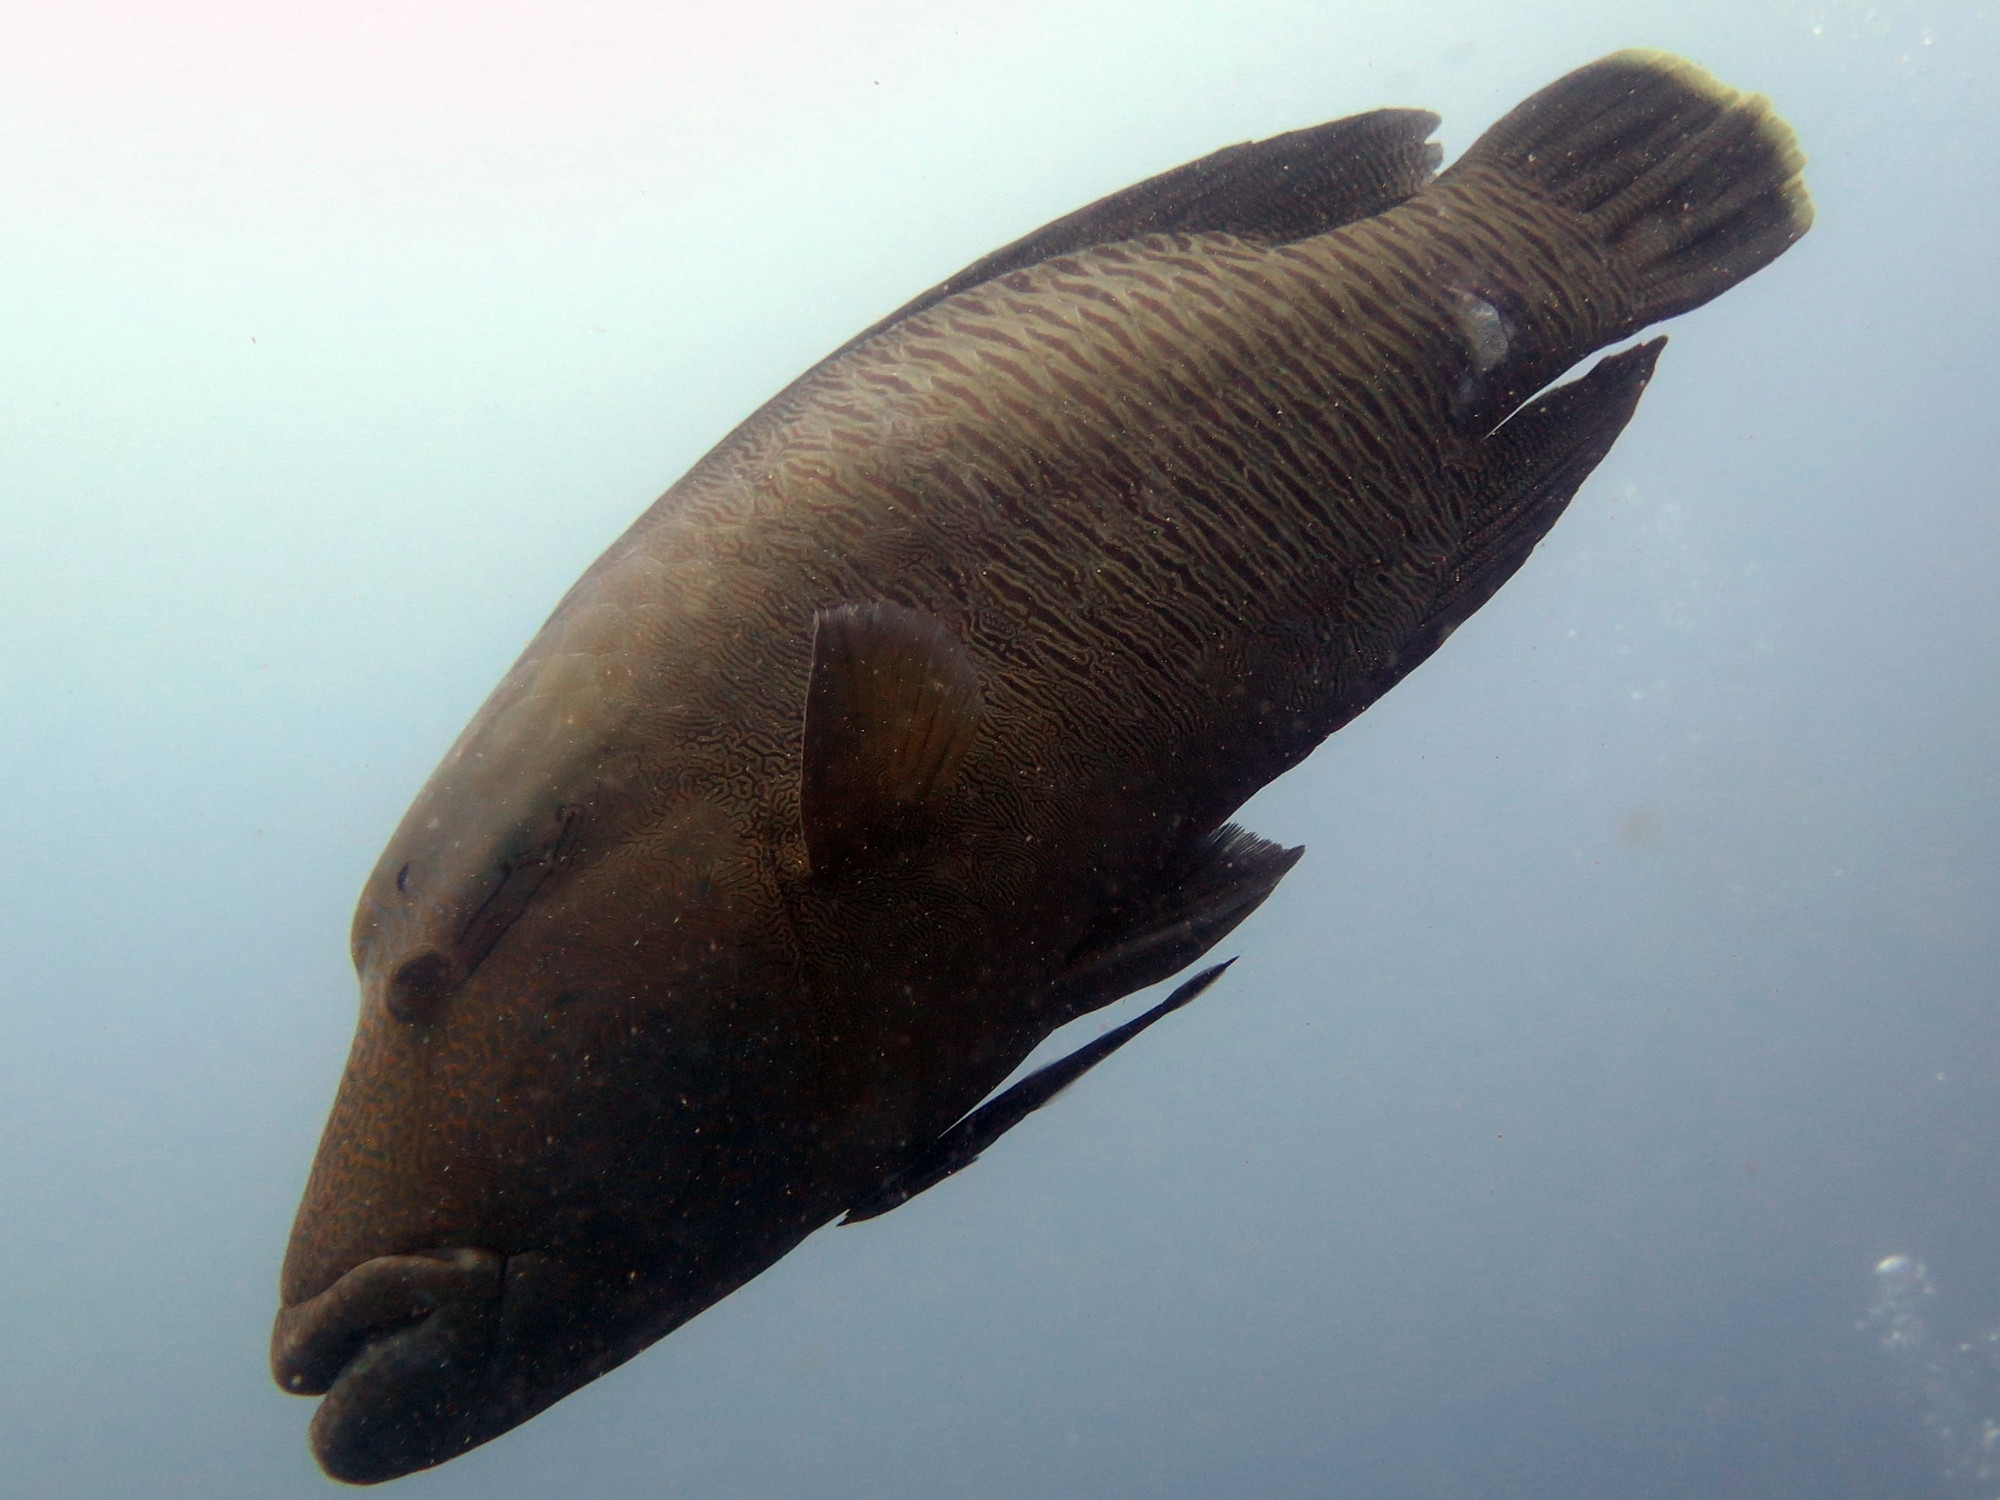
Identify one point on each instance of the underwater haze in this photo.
(1605, 1107)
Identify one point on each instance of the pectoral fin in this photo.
(1197, 903)
(892, 706)
(960, 1146)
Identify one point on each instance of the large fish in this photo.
(907, 726)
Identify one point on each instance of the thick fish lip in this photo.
(314, 1342)
(400, 1348)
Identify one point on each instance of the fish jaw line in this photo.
(400, 1346)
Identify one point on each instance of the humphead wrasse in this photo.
(907, 726)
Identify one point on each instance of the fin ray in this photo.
(1691, 185)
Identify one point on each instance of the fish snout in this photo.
(400, 1347)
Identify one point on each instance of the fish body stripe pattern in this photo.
(1184, 491)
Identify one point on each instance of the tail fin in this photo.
(1693, 185)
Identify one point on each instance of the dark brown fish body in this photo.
(903, 729)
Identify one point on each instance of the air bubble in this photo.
(1951, 1385)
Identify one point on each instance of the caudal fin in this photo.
(1693, 185)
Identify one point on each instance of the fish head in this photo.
(570, 1117)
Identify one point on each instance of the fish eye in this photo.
(403, 879)
(419, 985)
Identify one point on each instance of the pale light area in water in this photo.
(1636, 998)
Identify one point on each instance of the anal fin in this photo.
(1535, 462)
(1197, 904)
(961, 1145)
(1530, 467)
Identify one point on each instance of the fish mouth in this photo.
(401, 1346)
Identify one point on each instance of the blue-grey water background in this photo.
(1635, 999)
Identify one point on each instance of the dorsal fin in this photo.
(1197, 903)
(1302, 183)
(892, 705)
(1284, 188)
